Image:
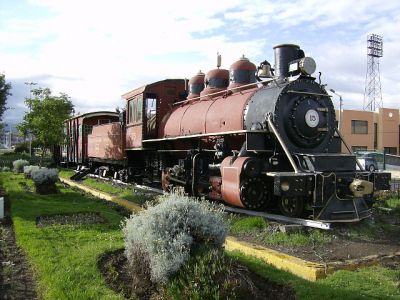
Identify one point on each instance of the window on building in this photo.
(391, 150)
(375, 135)
(359, 127)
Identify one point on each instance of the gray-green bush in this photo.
(5, 169)
(19, 164)
(45, 180)
(29, 169)
(166, 233)
(44, 176)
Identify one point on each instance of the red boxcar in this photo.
(106, 143)
(77, 129)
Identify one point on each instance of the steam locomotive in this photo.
(259, 138)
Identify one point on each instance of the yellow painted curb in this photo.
(305, 269)
(125, 203)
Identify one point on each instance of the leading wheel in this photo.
(371, 168)
(291, 206)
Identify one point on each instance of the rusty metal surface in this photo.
(106, 142)
(220, 114)
(76, 149)
(231, 180)
(134, 136)
(168, 92)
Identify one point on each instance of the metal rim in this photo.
(291, 206)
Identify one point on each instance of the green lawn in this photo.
(64, 257)
(368, 283)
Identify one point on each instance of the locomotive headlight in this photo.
(285, 186)
(307, 65)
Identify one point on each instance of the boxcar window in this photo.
(87, 129)
(104, 121)
(151, 108)
(130, 113)
(139, 109)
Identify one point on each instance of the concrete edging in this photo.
(311, 271)
(125, 203)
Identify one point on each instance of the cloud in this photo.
(97, 50)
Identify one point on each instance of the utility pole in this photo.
(373, 89)
(30, 83)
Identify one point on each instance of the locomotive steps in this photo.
(305, 269)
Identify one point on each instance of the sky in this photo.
(95, 51)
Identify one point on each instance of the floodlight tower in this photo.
(373, 90)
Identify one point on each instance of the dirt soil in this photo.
(343, 246)
(114, 267)
(16, 277)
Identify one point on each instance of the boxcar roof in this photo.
(95, 114)
(141, 89)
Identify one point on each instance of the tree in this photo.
(45, 119)
(4, 93)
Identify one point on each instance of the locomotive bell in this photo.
(242, 72)
(196, 85)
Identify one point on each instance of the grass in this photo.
(314, 237)
(119, 191)
(64, 257)
(241, 225)
(368, 283)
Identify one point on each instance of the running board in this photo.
(279, 218)
(80, 174)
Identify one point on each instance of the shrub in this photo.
(18, 165)
(168, 231)
(207, 275)
(29, 169)
(45, 180)
(21, 148)
(5, 169)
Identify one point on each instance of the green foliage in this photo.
(367, 283)
(6, 169)
(22, 148)
(239, 225)
(169, 231)
(4, 93)
(204, 276)
(46, 117)
(389, 199)
(64, 257)
(298, 239)
(19, 164)
(8, 158)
